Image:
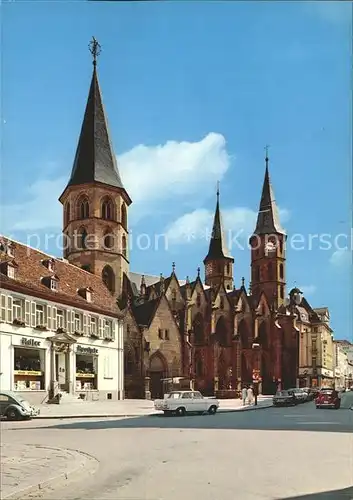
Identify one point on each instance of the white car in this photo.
(182, 402)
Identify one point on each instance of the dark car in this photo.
(14, 407)
(284, 398)
(328, 398)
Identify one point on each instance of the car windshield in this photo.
(174, 395)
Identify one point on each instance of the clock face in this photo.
(270, 247)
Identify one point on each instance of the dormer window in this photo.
(9, 269)
(52, 282)
(86, 293)
(53, 285)
(49, 264)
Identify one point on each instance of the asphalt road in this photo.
(276, 453)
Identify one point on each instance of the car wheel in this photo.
(317, 407)
(212, 410)
(180, 411)
(13, 414)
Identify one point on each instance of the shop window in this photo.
(18, 309)
(166, 335)
(61, 319)
(40, 315)
(29, 369)
(78, 322)
(86, 372)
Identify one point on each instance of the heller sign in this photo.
(86, 350)
(30, 342)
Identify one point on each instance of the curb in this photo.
(63, 476)
(130, 415)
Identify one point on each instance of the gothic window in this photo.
(107, 211)
(82, 208)
(124, 247)
(83, 239)
(198, 328)
(262, 335)
(270, 271)
(67, 213)
(123, 216)
(221, 332)
(281, 271)
(108, 239)
(108, 278)
(244, 335)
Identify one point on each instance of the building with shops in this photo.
(60, 329)
(344, 363)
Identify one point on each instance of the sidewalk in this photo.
(131, 408)
(26, 469)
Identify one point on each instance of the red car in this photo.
(328, 398)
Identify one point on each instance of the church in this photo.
(210, 335)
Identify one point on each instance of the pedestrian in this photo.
(244, 394)
(250, 394)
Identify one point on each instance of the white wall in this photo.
(6, 368)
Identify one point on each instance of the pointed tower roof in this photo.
(268, 216)
(95, 159)
(218, 246)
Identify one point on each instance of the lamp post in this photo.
(256, 373)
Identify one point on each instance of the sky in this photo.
(193, 91)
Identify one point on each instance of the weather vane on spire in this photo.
(95, 49)
(217, 190)
(266, 151)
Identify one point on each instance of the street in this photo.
(275, 453)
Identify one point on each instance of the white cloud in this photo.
(341, 258)
(308, 289)
(182, 171)
(238, 224)
(152, 174)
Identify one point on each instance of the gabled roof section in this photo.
(268, 216)
(144, 313)
(218, 246)
(95, 159)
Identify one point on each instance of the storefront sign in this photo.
(28, 372)
(30, 342)
(85, 375)
(86, 350)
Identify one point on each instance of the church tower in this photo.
(268, 254)
(95, 202)
(218, 262)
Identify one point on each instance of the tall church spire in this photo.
(95, 159)
(268, 217)
(218, 261)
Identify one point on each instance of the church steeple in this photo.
(268, 253)
(268, 217)
(95, 202)
(95, 160)
(218, 262)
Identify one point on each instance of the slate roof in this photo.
(218, 246)
(144, 313)
(268, 216)
(95, 160)
(30, 268)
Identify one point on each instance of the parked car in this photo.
(284, 398)
(182, 402)
(328, 398)
(14, 407)
(313, 392)
(300, 395)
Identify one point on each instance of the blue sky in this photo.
(193, 93)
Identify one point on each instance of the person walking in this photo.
(244, 394)
(250, 394)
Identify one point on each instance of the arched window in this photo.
(107, 211)
(244, 335)
(108, 239)
(82, 208)
(123, 216)
(123, 244)
(67, 213)
(270, 271)
(108, 278)
(82, 239)
(281, 271)
(198, 329)
(221, 332)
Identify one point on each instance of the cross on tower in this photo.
(95, 49)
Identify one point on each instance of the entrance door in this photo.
(157, 372)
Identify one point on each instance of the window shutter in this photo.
(113, 329)
(9, 309)
(33, 314)
(49, 324)
(85, 324)
(3, 307)
(54, 318)
(72, 321)
(89, 324)
(27, 313)
(100, 320)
